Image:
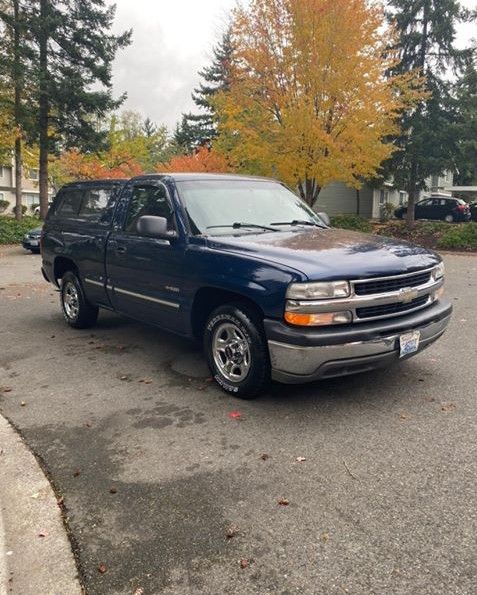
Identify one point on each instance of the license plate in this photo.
(409, 343)
(33, 242)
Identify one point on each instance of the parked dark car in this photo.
(473, 211)
(242, 265)
(438, 207)
(31, 240)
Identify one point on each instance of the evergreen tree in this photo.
(466, 127)
(71, 70)
(196, 130)
(16, 112)
(426, 32)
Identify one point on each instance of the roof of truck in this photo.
(182, 176)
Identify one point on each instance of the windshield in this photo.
(216, 206)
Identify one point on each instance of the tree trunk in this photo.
(412, 195)
(18, 82)
(43, 109)
(309, 191)
(358, 202)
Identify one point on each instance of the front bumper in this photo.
(31, 245)
(304, 355)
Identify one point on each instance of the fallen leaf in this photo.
(146, 380)
(235, 415)
(113, 490)
(403, 416)
(76, 472)
(325, 536)
(264, 457)
(124, 377)
(448, 407)
(283, 502)
(23, 403)
(7, 389)
(35, 495)
(430, 399)
(60, 501)
(244, 563)
(232, 531)
(42, 534)
(300, 459)
(138, 591)
(102, 568)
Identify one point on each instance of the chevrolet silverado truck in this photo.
(244, 266)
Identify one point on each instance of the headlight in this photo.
(438, 271)
(318, 291)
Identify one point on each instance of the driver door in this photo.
(145, 274)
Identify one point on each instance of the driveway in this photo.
(376, 473)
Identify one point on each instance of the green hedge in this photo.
(12, 231)
(353, 222)
(463, 237)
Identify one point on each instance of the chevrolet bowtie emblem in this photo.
(407, 294)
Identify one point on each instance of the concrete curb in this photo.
(35, 553)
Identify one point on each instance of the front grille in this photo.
(385, 285)
(390, 309)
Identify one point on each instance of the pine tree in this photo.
(197, 130)
(73, 52)
(14, 64)
(466, 127)
(426, 32)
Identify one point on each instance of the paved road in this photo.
(385, 502)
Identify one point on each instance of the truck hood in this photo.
(330, 254)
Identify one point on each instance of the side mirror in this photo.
(154, 227)
(325, 218)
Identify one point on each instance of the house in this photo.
(339, 199)
(30, 191)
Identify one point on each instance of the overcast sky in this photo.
(172, 41)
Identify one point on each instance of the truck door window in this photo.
(70, 203)
(95, 200)
(149, 200)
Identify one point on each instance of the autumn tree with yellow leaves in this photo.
(310, 100)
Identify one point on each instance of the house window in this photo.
(30, 199)
(383, 197)
(402, 198)
(33, 174)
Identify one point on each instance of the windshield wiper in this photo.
(239, 225)
(299, 222)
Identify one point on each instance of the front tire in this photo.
(236, 350)
(449, 218)
(77, 311)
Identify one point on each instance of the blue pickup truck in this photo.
(242, 265)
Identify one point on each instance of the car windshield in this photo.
(214, 207)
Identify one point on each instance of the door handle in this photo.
(121, 250)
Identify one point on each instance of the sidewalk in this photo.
(35, 553)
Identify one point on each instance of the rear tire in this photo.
(236, 350)
(449, 218)
(77, 311)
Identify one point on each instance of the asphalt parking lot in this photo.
(156, 465)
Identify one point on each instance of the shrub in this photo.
(463, 237)
(353, 222)
(24, 209)
(3, 205)
(387, 211)
(12, 231)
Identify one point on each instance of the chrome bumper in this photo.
(294, 364)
